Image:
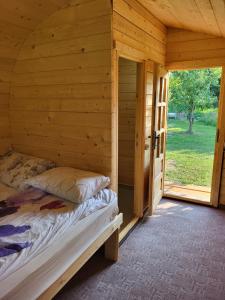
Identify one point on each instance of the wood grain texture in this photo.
(149, 68)
(127, 117)
(159, 114)
(205, 16)
(189, 50)
(222, 187)
(219, 163)
(60, 97)
(112, 246)
(17, 20)
(4, 119)
(137, 33)
(218, 181)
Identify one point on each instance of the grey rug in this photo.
(179, 253)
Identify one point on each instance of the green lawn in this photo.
(189, 158)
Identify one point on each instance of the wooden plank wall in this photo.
(127, 116)
(4, 108)
(17, 20)
(9, 37)
(60, 104)
(4, 114)
(136, 33)
(188, 50)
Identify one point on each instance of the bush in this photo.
(207, 117)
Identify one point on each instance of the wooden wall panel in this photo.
(4, 113)
(60, 103)
(17, 20)
(138, 34)
(188, 50)
(4, 132)
(127, 117)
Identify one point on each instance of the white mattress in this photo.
(31, 280)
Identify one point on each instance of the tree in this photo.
(191, 90)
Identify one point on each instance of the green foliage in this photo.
(194, 90)
(189, 158)
(198, 86)
(207, 117)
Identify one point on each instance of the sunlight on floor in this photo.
(192, 192)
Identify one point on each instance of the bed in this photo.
(45, 239)
(6, 191)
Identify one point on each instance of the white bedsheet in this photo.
(56, 249)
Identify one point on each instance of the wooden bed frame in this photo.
(110, 239)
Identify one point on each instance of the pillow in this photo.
(15, 168)
(70, 184)
(6, 191)
(9, 161)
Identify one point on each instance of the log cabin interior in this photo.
(84, 84)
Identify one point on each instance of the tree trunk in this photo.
(190, 118)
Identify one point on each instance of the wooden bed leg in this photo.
(112, 246)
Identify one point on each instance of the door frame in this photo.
(219, 143)
(139, 149)
(139, 127)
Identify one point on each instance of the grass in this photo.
(207, 117)
(189, 158)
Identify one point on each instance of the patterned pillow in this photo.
(15, 168)
(6, 191)
(10, 161)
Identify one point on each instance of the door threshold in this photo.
(126, 230)
(186, 199)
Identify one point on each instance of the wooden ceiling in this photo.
(206, 16)
(18, 18)
(198, 15)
